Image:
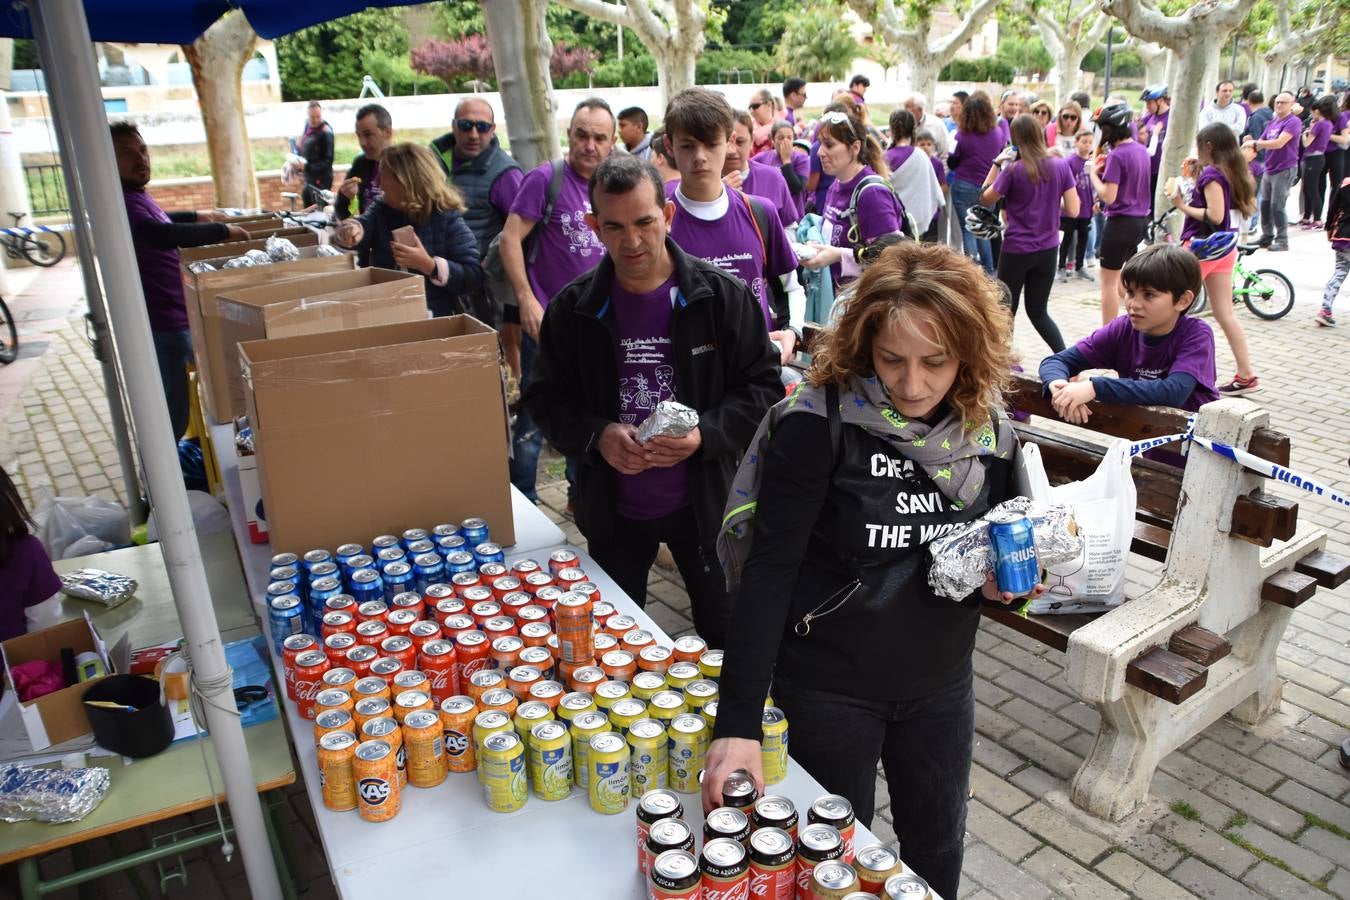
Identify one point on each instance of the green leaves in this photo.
(817, 43)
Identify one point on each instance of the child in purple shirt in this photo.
(1315, 141)
(26, 574)
(1075, 228)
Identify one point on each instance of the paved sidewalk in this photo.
(1237, 813)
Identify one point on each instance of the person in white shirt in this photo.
(1224, 111)
(917, 105)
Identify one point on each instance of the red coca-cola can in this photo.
(371, 632)
(482, 610)
(547, 597)
(400, 620)
(474, 653)
(291, 647)
(462, 580)
(448, 607)
(569, 577)
(434, 594)
(587, 588)
(537, 581)
(401, 648)
(514, 602)
(440, 662)
(340, 601)
(500, 626)
(506, 584)
(309, 669)
(360, 657)
(491, 571)
(522, 567)
(455, 625)
(407, 600)
(371, 609)
(561, 559)
(385, 667)
(337, 621)
(423, 632)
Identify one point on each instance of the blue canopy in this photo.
(183, 21)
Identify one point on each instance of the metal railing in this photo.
(46, 189)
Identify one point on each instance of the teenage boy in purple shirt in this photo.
(157, 236)
(1163, 356)
(1280, 141)
(652, 323)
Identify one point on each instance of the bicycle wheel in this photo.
(1201, 302)
(9, 336)
(1268, 293)
(42, 253)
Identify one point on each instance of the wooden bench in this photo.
(1201, 644)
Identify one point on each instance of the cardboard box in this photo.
(376, 430)
(59, 716)
(313, 305)
(200, 292)
(297, 235)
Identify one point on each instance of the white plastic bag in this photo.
(209, 516)
(62, 523)
(1103, 508)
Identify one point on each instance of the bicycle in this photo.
(1268, 293)
(9, 335)
(25, 245)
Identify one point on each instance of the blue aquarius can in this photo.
(281, 589)
(379, 543)
(285, 617)
(289, 574)
(345, 553)
(320, 591)
(488, 552)
(475, 531)
(428, 569)
(450, 543)
(417, 548)
(314, 557)
(412, 536)
(322, 570)
(446, 530)
(1016, 567)
(460, 561)
(366, 585)
(398, 577)
(359, 561)
(388, 555)
(285, 559)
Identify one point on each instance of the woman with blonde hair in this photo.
(897, 435)
(418, 225)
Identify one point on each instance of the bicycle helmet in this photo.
(983, 223)
(1214, 246)
(1156, 92)
(1114, 121)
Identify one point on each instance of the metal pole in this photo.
(62, 32)
(1106, 74)
(98, 319)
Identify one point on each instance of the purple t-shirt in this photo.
(505, 190)
(1342, 121)
(646, 377)
(1127, 165)
(801, 164)
(975, 153)
(767, 184)
(1195, 227)
(733, 244)
(896, 156)
(940, 171)
(1145, 137)
(1321, 136)
(161, 277)
(1285, 157)
(1033, 209)
(1188, 349)
(1082, 180)
(25, 580)
(879, 212)
(823, 182)
(567, 246)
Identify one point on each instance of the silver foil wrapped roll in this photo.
(328, 250)
(259, 257)
(98, 586)
(669, 419)
(964, 558)
(200, 266)
(281, 250)
(240, 262)
(50, 795)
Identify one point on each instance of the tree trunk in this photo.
(521, 51)
(217, 59)
(674, 68)
(1189, 89)
(923, 72)
(1154, 59)
(1209, 80)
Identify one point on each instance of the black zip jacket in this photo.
(725, 368)
(1338, 215)
(835, 595)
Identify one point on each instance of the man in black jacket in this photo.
(316, 146)
(651, 324)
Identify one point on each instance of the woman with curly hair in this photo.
(418, 225)
(897, 436)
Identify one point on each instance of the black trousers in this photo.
(1036, 273)
(1074, 228)
(629, 548)
(1310, 204)
(1335, 171)
(924, 746)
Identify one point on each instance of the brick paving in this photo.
(1235, 813)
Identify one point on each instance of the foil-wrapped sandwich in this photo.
(669, 419)
(963, 559)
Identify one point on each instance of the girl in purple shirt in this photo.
(851, 155)
(1223, 184)
(1315, 141)
(978, 141)
(1037, 187)
(26, 574)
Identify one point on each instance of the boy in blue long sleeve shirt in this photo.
(1163, 357)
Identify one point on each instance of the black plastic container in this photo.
(144, 732)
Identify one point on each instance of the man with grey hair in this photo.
(917, 105)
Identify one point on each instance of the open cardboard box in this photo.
(319, 303)
(200, 292)
(375, 430)
(296, 234)
(59, 716)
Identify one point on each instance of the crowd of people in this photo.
(682, 264)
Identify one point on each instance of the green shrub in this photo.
(985, 68)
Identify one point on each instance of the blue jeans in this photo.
(964, 196)
(173, 352)
(1095, 234)
(924, 746)
(527, 440)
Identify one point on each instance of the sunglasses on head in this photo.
(467, 125)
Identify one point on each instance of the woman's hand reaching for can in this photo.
(726, 755)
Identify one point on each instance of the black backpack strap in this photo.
(778, 301)
(854, 235)
(555, 182)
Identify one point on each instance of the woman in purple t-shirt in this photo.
(1121, 179)
(1223, 186)
(856, 213)
(1037, 187)
(1315, 141)
(978, 141)
(26, 574)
